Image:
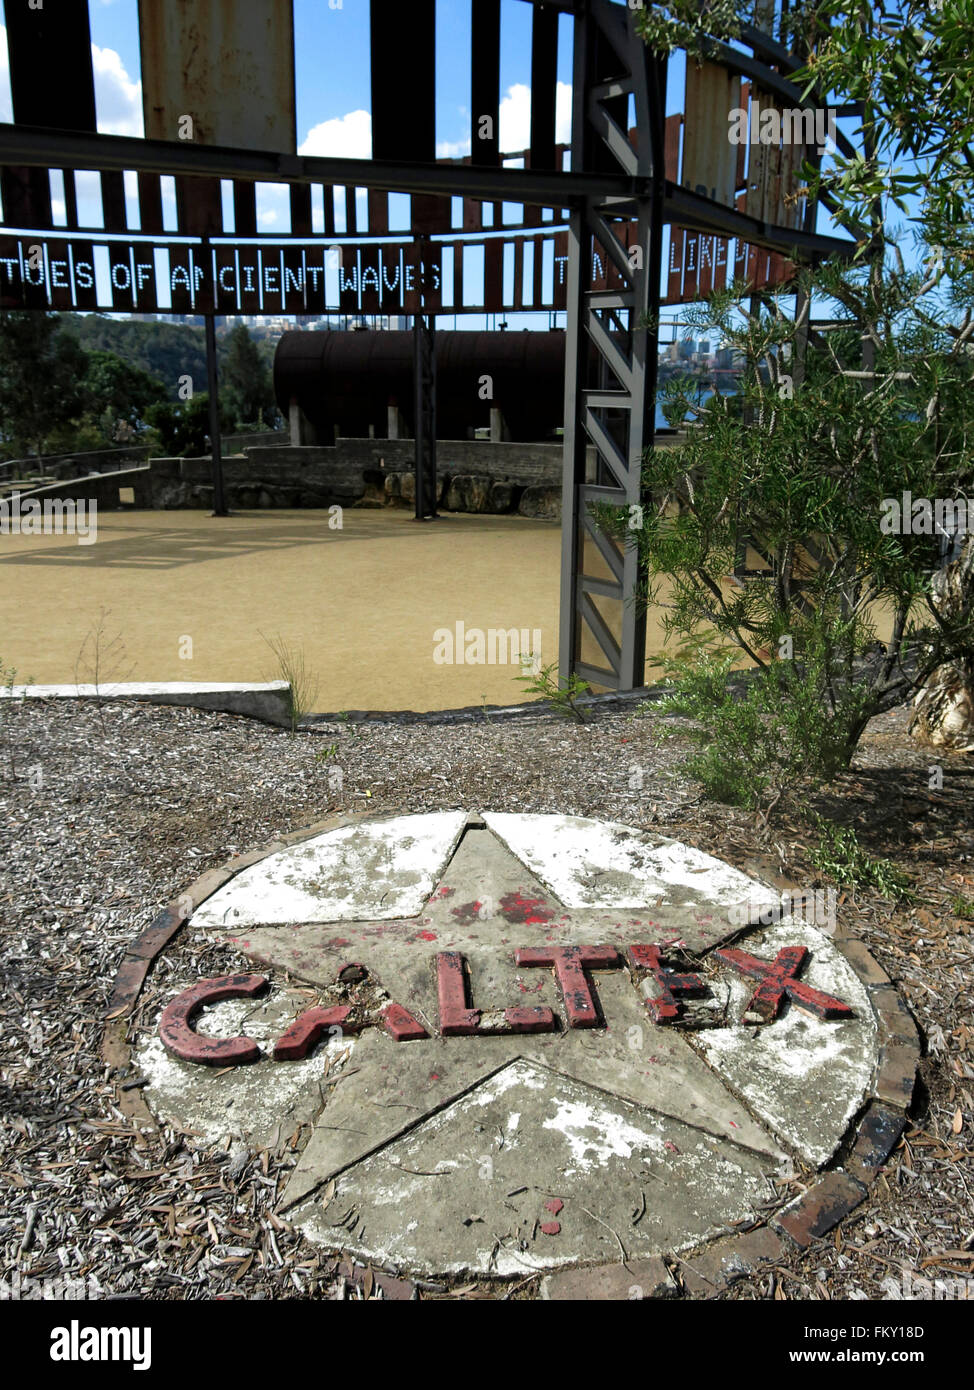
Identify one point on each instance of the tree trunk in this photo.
(943, 714)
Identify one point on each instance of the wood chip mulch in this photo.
(109, 812)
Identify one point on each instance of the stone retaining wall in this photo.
(472, 476)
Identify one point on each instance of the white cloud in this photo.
(453, 149)
(350, 137)
(6, 109)
(515, 122)
(118, 99)
(515, 117)
(345, 137)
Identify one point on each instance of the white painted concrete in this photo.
(805, 1077)
(590, 863)
(373, 870)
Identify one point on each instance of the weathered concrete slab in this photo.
(805, 1077)
(540, 1114)
(379, 869)
(589, 863)
(471, 1189)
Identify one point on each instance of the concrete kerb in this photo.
(833, 1194)
(269, 701)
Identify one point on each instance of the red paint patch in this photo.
(426, 935)
(517, 909)
(467, 912)
(550, 1228)
(554, 1205)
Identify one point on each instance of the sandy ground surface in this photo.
(107, 813)
(362, 604)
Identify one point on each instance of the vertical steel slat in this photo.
(485, 80)
(403, 59)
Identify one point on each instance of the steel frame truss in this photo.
(612, 349)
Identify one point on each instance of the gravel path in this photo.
(108, 813)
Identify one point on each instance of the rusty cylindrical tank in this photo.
(347, 380)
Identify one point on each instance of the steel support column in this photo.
(612, 349)
(216, 447)
(424, 378)
(424, 387)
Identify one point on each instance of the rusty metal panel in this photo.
(544, 75)
(121, 271)
(58, 275)
(181, 277)
(561, 270)
(229, 64)
(300, 196)
(403, 64)
(51, 78)
(244, 208)
(691, 267)
(199, 205)
(740, 176)
(791, 208)
(709, 158)
(720, 249)
(328, 194)
(518, 296)
(150, 203)
(113, 201)
(457, 274)
(26, 196)
(370, 301)
(485, 81)
(759, 171)
(780, 270)
(81, 266)
(378, 211)
(294, 279)
(494, 273)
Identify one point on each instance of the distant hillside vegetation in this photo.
(166, 351)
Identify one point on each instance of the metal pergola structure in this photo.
(620, 191)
